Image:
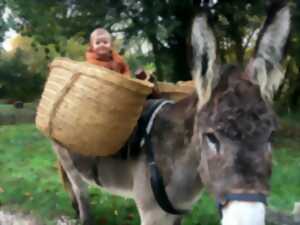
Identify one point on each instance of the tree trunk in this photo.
(181, 67)
(294, 98)
(239, 51)
(157, 57)
(175, 55)
(180, 46)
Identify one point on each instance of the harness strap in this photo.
(148, 120)
(242, 197)
(156, 180)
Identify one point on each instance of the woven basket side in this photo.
(55, 84)
(99, 117)
(88, 109)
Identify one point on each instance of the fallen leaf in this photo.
(102, 221)
(27, 194)
(130, 216)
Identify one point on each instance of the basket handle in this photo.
(59, 100)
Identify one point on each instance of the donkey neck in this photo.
(173, 128)
(182, 111)
(174, 154)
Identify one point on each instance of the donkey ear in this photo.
(204, 58)
(269, 51)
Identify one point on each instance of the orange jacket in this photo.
(117, 63)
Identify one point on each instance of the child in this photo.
(100, 52)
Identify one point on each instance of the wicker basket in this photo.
(89, 109)
(176, 91)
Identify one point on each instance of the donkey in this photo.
(218, 137)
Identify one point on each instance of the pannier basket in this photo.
(89, 109)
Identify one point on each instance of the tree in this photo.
(164, 24)
(288, 98)
(3, 25)
(16, 81)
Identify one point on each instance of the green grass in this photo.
(30, 182)
(6, 107)
(28, 172)
(285, 178)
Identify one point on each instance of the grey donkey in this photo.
(218, 137)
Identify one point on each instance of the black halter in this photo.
(242, 197)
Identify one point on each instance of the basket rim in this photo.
(95, 72)
(174, 87)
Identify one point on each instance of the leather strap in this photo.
(242, 197)
(157, 182)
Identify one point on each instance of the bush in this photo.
(16, 81)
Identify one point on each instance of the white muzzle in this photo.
(244, 213)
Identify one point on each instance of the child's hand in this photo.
(140, 74)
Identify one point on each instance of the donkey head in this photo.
(234, 120)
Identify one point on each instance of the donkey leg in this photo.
(149, 210)
(156, 216)
(178, 221)
(78, 186)
(68, 187)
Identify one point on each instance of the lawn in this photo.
(30, 182)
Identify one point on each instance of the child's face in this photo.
(101, 44)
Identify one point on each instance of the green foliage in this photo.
(165, 25)
(144, 19)
(140, 61)
(16, 81)
(23, 71)
(30, 53)
(3, 25)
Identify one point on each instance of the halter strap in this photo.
(241, 197)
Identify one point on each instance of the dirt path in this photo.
(17, 218)
(13, 218)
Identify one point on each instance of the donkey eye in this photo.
(212, 141)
